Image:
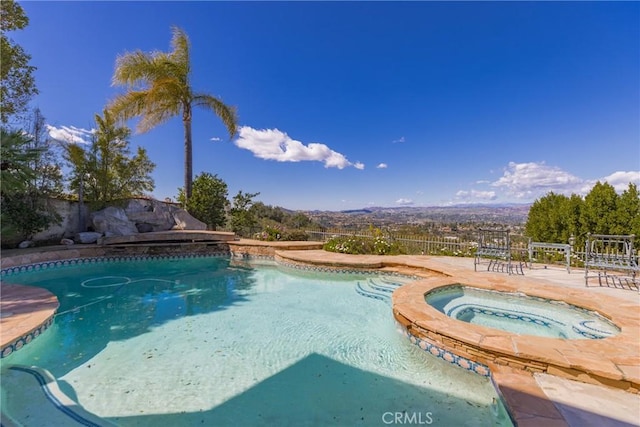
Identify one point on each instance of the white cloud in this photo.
(272, 144)
(476, 195)
(530, 180)
(401, 139)
(70, 134)
(382, 166)
(404, 202)
(620, 180)
(215, 139)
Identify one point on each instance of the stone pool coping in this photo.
(26, 312)
(613, 361)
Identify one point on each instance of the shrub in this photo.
(377, 245)
(25, 214)
(270, 233)
(273, 233)
(295, 236)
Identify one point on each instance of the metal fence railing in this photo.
(459, 244)
(451, 244)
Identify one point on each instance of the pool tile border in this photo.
(341, 269)
(44, 265)
(25, 339)
(440, 352)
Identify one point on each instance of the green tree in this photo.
(17, 83)
(26, 186)
(547, 220)
(297, 220)
(159, 89)
(628, 212)
(48, 180)
(208, 202)
(241, 216)
(599, 210)
(573, 212)
(105, 169)
(17, 155)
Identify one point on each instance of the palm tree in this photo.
(159, 89)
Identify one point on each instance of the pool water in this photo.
(209, 341)
(519, 313)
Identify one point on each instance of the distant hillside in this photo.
(515, 214)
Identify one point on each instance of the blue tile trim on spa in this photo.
(598, 334)
(446, 355)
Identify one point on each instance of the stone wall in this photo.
(67, 228)
(130, 217)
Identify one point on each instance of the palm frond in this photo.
(226, 113)
(139, 69)
(164, 100)
(169, 87)
(181, 52)
(128, 105)
(160, 113)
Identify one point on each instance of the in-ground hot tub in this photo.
(519, 313)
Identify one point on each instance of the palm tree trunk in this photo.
(188, 153)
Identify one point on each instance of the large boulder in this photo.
(149, 215)
(184, 220)
(141, 216)
(112, 221)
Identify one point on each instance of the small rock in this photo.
(25, 244)
(88, 237)
(66, 242)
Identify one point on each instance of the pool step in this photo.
(32, 396)
(377, 288)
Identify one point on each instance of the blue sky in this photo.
(345, 105)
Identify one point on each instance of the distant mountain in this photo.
(504, 213)
(357, 211)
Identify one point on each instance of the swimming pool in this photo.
(208, 341)
(520, 314)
